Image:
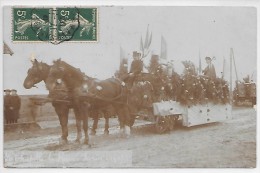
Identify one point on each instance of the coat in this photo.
(15, 104)
(7, 106)
(136, 67)
(210, 71)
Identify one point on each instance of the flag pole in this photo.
(199, 64)
(230, 89)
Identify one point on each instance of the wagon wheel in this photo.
(253, 101)
(172, 120)
(161, 124)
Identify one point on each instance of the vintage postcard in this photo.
(129, 86)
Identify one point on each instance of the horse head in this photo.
(37, 73)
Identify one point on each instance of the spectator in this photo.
(15, 104)
(7, 106)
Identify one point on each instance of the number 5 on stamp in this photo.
(30, 24)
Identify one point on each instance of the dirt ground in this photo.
(229, 144)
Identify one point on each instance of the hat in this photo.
(135, 53)
(155, 57)
(14, 90)
(7, 90)
(208, 58)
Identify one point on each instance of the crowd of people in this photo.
(168, 84)
(12, 104)
(137, 66)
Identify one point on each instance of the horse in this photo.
(100, 99)
(39, 72)
(98, 94)
(110, 92)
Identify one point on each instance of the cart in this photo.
(167, 113)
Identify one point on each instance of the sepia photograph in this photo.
(99, 86)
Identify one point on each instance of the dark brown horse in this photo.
(109, 93)
(39, 72)
(99, 94)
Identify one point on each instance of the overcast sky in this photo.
(188, 31)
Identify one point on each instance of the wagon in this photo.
(245, 91)
(167, 113)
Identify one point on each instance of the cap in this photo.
(7, 90)
(14, 90)
(155, 57)
(208, 58)
(135, 53)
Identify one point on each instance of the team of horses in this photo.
(70, 88)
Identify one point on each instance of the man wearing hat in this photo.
(210, 69)
(16, 104)
(137, 64)
(7, 106)
(136, 68)
(155, 67)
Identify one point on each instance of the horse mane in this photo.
(44, 64)
(76, 73)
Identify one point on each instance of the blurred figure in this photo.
(136, 68)
(7, 106)
(16, 105)
(210, 69)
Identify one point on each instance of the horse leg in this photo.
(85, 127)
(78, 124)
(95, 123)
(127, 120)
(84, 111)
(121, 120)
(62, 112)
(106, 116)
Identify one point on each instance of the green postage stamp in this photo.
(55, 25)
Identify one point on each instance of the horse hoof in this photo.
(86, 142)
(106, 132)
(63, 141)
(93, 133)
(77, 141)
(127, 136)
(127, 131)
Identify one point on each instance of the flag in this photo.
(224, 67)
(141, 44)
(200, 70)
(150, 40)
(163, 49)
(146, 37)
(7, 50)
(145, 46)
